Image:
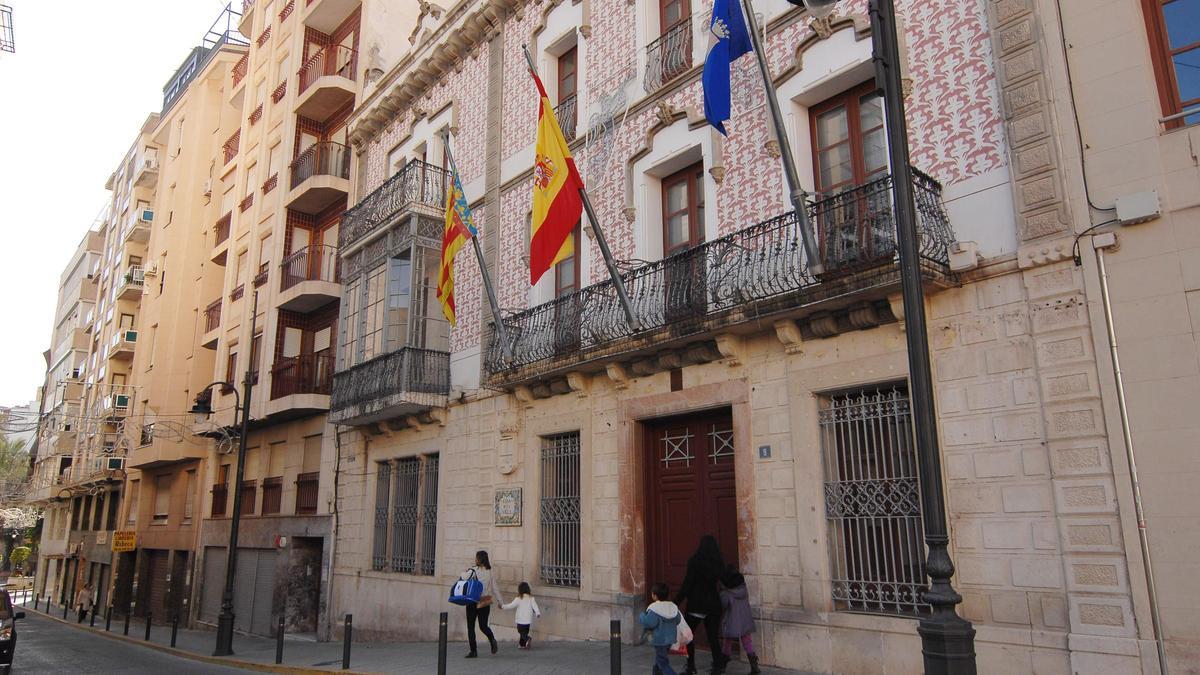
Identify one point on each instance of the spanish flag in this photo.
(459, 228)
(556, 201)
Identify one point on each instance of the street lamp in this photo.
(202, 410)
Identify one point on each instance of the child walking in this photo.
(736, 621)
(527, 608)
(662, 617)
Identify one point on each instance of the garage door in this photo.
(253, 590)
(264, 591)
(214, 583)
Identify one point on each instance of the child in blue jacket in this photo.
(662, 617)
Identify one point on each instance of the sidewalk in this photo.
(302, 654)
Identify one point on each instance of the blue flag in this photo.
(733, 40)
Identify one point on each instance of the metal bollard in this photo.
(614, 646)
(279, 642)
(148, 619)
(347, 632)
(443, 619)
(36, 599)
(127, 613)
(174, 628)
(92, 621)
(108, 619)
(65, 608)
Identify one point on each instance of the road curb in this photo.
(183, 653)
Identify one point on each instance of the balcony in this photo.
(221, 238)
(669, 56)
(307, 489)
(115, 407)
(300, 385)
(220, 500)
(122, 344)
(326, 15)
(246, 20)
(688, 303)
(147, 171)
(309, 279)
(138, 229)
(287, 10)
(270, 184)
(232, 145)
(567, 116)
(326, 82)
(212, 325)
(419, 187)
(279, 92)
(132, 283)
(319, 176)
(264, 273)
(404, 382)
(241, 68)
(89, 320)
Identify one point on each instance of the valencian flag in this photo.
(733, 40)
(556, 201)
(459, 229)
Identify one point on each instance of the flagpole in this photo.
(501, 331)
(796, 192)
(613, 272)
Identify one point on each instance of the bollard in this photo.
(614, 646)
(279, 642)
(174, 628)
(148, 618)
(92, 621)
(127, 613)
(442, 620)
(36, 599)
(108, 619)
(65, 608)
(346, 636)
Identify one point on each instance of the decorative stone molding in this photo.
(863, 316)
(772, 147)
(896, 303)
(1036, 255)
(718, 174)
(862, 31)
(523, 393)
(579, 383)
(823, 27)
(823, 325)
(788, 332)
(617, 373)
(730, 346)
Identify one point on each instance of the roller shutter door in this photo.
(214, 583)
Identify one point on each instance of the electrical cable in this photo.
(1075, 246)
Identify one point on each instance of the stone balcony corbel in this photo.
(788, 332)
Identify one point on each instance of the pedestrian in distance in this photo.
(479, 612)
(83, 600)
(703, 601)
(527, 608)
(736, 621)
(662, 618)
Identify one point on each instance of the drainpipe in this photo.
(1099, 243)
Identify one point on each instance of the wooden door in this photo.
(690, 492)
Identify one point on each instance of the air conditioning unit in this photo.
(129, 336)
(121, 401)
(76, 373)
(151, 269)
(114, 463)
(146, 215)
(150, 163)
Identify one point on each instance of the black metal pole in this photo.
(614, 647)
(279, 642)
(127, 613)
(443, 620)
(36, 599)
(92, 620)
(347, 632)
(174, 628)
(108, 619)
(149, 618)
(225, 618)
(66, 606)
(947, 640)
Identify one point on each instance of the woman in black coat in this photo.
(699, 590)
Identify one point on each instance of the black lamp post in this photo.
(202, 409)
(947, 640)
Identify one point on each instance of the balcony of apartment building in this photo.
(131, 283)
(122, 344)
(221, 230)
(327, 15)
(319, 176)
(246, 20)
(326, 82)
(301, 372)
(146, 173)
(309, 278)
(396, 373)
(138, 227)
(693, 306)
(211, 325)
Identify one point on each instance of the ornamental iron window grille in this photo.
(560, 509)
(404, 515)
(872, 502)
(429, 513)
(383, 484)
(405, 533)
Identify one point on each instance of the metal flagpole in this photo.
(501, 331)
(613, 272)
(795, 192)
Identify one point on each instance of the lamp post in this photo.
(947, 639)
(202, 409)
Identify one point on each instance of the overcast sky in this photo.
(84, 76)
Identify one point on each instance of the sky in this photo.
(83, 79)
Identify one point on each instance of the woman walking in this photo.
(83, 601)
(699, 591)
(482, 610)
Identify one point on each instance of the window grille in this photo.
(872, 502)
(429, 496)
(560, 509)
(383, 483)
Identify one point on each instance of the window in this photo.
(872, 503)
(566, 272)
(1174, 27)
(683, 209)
(373, 314)
(98, 511)
(135, 489)
(220, 492)
(398, 302)
(231, 369)
(255, 356)
(111, 518)
(567, 71)
(849, 141)
(560, 510)
(405, 536)
(671, 12)
(189, 496)
(162, 498)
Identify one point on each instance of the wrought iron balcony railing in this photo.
(568, 116)
(307, 488)
(325, 158)
(241, 68)
(304, 374)
(212, 316)
(331, 60)
(669, 56)
(405, 370)
(230, 148)
(221, 229)
(418, 183)
(311, 263)
(700, 289)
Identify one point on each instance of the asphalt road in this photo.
(46, 646)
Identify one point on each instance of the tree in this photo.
(18, 557)
(14, 459)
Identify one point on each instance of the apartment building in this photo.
(757, 401)
(159, 518)
(282, 186)
(53, 479)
